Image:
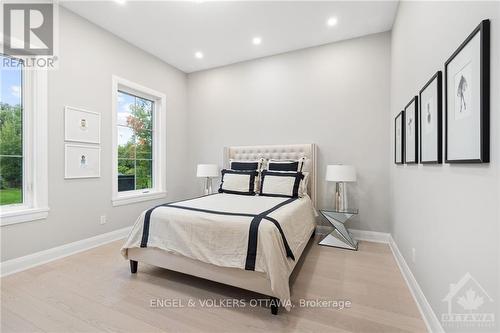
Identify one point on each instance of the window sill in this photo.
(138, 197)
(23, 215)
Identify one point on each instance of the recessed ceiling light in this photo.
(198, 55)
(257, 40)
(121, 2)
(332, 21)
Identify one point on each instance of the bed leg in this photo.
(133, 266)
(274, 305)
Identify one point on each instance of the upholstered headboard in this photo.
(279, 152)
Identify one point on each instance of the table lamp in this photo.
(340, 174)
(207, 171)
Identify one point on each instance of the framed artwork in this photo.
(467, 96)
(430, 115)
(82, 125)
(82, 161)
(399, 129)
(411, 131)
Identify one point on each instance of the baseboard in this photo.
(32, 260)
(371, 236)
(431, 321)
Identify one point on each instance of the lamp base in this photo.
(340, 201)
(208, 186)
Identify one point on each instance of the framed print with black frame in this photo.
(399, 136)
(411, 131)
(467, 99)
(430, 116)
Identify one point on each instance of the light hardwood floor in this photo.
(94, 291)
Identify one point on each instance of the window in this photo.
(138, 147)
(135, 142)
(11, 134)
(23, 103)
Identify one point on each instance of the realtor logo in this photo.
(467, 303)
(28, 29)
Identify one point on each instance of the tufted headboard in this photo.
(279, 152)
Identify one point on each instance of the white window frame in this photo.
(35, 170)
(159, 143)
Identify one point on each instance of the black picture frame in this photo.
(439, 112)
(484, 99)
(414, 100)
(401, 119)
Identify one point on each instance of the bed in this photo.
(250, 242)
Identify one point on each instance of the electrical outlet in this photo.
(103, 219)
(413, 254)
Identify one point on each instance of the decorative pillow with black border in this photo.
(238, 182)
(286, 165)
(280, 184)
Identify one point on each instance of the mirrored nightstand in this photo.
(339, 237)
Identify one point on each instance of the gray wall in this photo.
(88, 58)
(336, 96)
(448, 213)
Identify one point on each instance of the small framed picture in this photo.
(82, 161)
(467, 96)
(399, 129)
(411, 131)
(82, 125)
(430, 115)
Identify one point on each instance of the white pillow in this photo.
(303, 185)
(281, 184)
(238, 182)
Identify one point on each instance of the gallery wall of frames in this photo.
(465, 95)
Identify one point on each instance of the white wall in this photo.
(448, 213)
(89, 56)
(336, 96)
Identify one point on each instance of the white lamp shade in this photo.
(340, 173)
(207, 170)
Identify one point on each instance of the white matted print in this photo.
(82, 125)
(410, 132)
(430, 99)
(82, 161)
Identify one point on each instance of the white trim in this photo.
(35, 138)
(138, 197)
(430, 319)
(24, 215)
(36, 259)
(159, 142)
(371, 236)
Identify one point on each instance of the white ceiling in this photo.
(223, 31)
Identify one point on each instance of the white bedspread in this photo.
(222, 240)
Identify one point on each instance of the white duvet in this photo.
(222, 240)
